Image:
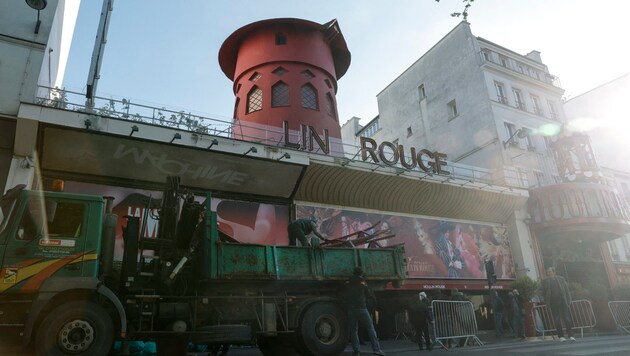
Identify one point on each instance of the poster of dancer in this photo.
(434, 248)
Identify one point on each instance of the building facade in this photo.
(600, 113)
(487, 106)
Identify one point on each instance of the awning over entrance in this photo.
(580, 211)
(114, 158)
(358, 185)
(449, 284)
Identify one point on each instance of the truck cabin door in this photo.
(49, 240)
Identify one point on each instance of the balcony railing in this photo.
(185, 120)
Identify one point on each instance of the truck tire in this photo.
(323, 330)
(75, 328)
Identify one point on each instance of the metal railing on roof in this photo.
(125, 109)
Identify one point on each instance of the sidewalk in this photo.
(393, 347)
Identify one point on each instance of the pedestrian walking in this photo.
(518, 312)
(557, 296)
(497, 310)
(420, 317)
(358, 296)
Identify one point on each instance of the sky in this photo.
(165, 53)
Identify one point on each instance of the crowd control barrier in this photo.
(454, 320)
(620, 311)
(582, 317)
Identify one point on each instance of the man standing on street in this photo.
(558, 297)
(357, 297)
(420, 317)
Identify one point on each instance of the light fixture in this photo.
(284, 155)
(87, 123)
(177, 136)
(251, 149)
(521, 133)
(213, 142)
(134, 128)
(37, 5)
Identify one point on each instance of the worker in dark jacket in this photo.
(298, 230)
(357, 296)
(420, 317)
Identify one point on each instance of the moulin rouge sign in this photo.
(386, 152)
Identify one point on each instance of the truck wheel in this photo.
(323, 330)
(76, 328)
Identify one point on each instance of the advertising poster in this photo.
(247, 222)
(434, 248)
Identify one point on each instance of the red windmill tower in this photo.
(285, 74)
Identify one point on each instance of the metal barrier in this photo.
(620, 311)
(582, 317)
(454, 320)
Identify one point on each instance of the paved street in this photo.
(616, 344)
(590, 345)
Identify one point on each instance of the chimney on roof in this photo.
(534, 55)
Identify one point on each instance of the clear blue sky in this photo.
(165, 52)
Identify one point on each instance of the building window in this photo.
(279, 71)
(452, 109)
(486, 55)
(536, 104)
(625, 241)
(254, 99)
(279, 95)
(552, 109)
(238, 87)
(409, 131)
(330, 106)
(328, 83)
(254, 77)
(614, 250)
(308, 74)
(504, 61)
(370, 130)
(518, 99)
(238, 100)
(309, 97)
(422, 92)
(625, 190)
(529, 139)
(281, 39)
(500, 89)
(540, 178)
(510, 131)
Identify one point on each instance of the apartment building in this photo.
(487, 106)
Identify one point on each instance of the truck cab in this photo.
(49, 264)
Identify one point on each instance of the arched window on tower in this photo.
(330, 106)
(279, 94)
(309, 97)
(254, 99)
